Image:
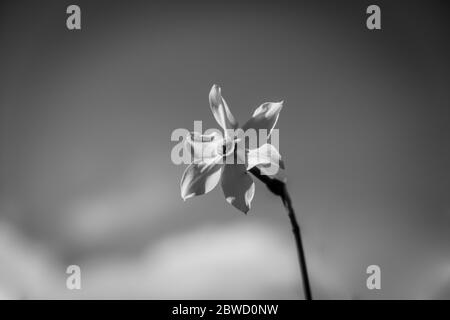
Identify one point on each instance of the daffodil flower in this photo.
(210, 165)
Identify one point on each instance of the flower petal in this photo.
(267, 157)
(264, 117)
(200, 178)
(238, 186)
(203, 147)
(220, 109)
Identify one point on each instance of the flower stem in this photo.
(279, 188)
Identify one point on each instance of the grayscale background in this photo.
(87, 179)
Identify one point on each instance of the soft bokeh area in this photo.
(87, 179)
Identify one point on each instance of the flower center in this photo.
(226, 148)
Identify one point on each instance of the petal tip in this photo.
(215, 89)
(279, 106)
(185, 197)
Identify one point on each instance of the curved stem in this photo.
(298, 240)
(279, 188)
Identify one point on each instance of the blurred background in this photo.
(86, 175)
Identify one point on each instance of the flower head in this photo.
(226, 158)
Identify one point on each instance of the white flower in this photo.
(210, 153)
